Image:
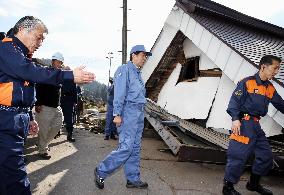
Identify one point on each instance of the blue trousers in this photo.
(238, 153)
(67, 105)
(110, 126)
(13, 176)
(127, 153)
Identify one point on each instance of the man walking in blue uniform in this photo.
(110, 128)
(249, 102)
(17, 77)
(68, 101)
(129, 101)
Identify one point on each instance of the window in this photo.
(190, 70)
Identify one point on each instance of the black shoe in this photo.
(71, 139)
(25, 160)
(259, 189)
(228, 189)
(106, 137)
(112, 136)
(137, 184)
(253, 185)
(98, 180)
(44, 156)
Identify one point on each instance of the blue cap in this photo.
(140, 48)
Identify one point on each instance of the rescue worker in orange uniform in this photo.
(249, 102)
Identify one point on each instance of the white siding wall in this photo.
(213, 48)
(188, 100)
(278, 116)
(270, 126)
(246, 69)
(218, 117)
(190, 50)
(175, 17)
(205, 40)
(233, 65)
(184, 23)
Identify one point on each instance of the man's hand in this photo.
(33, 128)
(236, 126)
(38, 109)
(117, 121)
(81, 76)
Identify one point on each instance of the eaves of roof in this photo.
(249, 37)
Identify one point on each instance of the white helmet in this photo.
(58, 56)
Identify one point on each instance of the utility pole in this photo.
(109, 57)
(124, 32)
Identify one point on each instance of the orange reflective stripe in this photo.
(252, 87)
(6, 39)
(6, 90)
(239, 138)
(270, 91)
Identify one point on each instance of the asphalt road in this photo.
(70, 170)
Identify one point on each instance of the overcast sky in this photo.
(85, 31)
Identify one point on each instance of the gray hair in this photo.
(29, 23)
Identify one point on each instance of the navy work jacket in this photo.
(252, 96)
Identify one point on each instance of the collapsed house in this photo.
(201, 53)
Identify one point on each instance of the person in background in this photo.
(48, 111)
(128, 111)
(68, 101)
(249, 102)
(79, 105)
(18, 74)
(2, 35)
(110, 128)
(10, 32)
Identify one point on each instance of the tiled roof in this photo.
(250, 37)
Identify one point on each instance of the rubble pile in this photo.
(93, 118)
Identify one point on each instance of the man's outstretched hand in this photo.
(82, 77)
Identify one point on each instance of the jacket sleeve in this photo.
(278, 102)
(120, 89)
(237, 100)
(16, 65)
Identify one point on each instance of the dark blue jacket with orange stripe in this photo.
(252, 96)
(18, 74)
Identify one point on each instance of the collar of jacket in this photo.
(259, 81)
(133, 66)
(20, 44)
